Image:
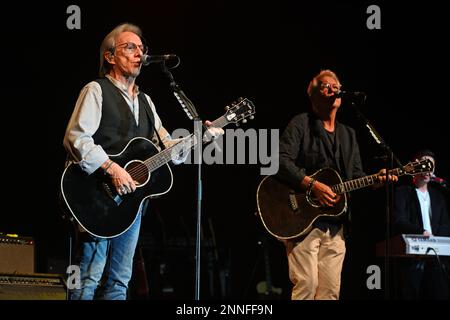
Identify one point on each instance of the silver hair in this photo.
(315, 82)
(109, 43)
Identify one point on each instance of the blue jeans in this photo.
(106, 265)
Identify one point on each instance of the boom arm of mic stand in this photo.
(375, 135)
(186, 104)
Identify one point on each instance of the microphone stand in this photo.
(191, 112)
(390, 157)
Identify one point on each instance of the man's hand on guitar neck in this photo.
(212, 132)
(382, 178)
(320, 192)
(120, 178)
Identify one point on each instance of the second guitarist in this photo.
(312, 141)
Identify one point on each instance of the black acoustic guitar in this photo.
(287, 213)
(92, 199)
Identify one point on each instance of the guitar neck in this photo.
(360, 183)
(184, 144)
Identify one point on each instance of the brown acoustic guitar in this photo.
(287, 213)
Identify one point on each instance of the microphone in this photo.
(438, 180)
(147, 59)
(350, 94)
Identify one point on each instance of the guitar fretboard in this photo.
(185, 144)
(360, 183)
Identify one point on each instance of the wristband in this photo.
(310, 184)
(108, 166)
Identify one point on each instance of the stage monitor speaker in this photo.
(38, 286)
(16, 254)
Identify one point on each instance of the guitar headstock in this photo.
(418, 167)
(240, 110)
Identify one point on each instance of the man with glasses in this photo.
(109, 112)
(313, 141)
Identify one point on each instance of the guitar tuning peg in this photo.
(244, 121)
(252, 117)
(227, 108)
(240, 99)
(237, 124)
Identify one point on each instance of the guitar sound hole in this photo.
(138, 171)
(313, 201)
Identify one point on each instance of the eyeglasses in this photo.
(333, 87)
(131, 47)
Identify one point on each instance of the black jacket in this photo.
(408, 215)
(305, 148)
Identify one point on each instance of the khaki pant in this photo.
(315, 265)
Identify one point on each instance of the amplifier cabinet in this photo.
(38, 286)
(17, 255)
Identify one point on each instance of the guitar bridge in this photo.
(293, 201)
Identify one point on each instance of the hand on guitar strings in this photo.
(121, 179)
(324, 195)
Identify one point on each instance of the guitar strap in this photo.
(160, 143)
(144, 103)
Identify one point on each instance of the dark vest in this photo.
(117, 125)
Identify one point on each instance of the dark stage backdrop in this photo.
(265, 51)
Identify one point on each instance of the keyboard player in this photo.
(421, 209)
